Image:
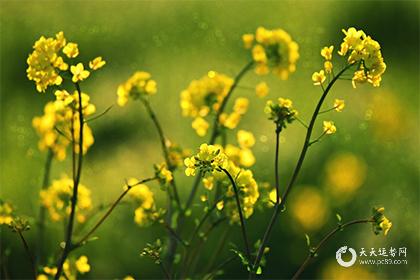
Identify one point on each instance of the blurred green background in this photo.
(375, 148)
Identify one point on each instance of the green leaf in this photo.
(308, 240)
(259, 271)
(338, 217)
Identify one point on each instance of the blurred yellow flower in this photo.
(329, 127)
(245, 139)
(310, 208)
(71, 50)
(262, 89)
(345, 173)
(163, 174)
(200, 126)
(79, 73)
(6, 213)
(273, 50)
(328, 66)
(97, 63)
(143, 198)
(339, 105)
(82, 264)
(139, 84)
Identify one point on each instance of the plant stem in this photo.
(296, 171)
(315, 249)
(106, 215)
(164, 270)
(68, 243)
(276, 164)
(28, 252)
(42, 210)
(241, 217)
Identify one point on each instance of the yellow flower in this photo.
(246, 158)
(281, 112)
(385, 225)
(128, 277)
(339, 105)
(318, 77)
(353, 37)
(209, 159)
(79, 73)
(143, 197)
(220, 205)
(82, 264)
(273, 50)
(272, 197)
(200, 126)
(230, 121)
(329, 127)
(245, 139)
(328, 66)
(241, 105)
(327, 52)
(71, 50)
(42, 277)
(56, 199)
(139, 84)
(45, 63)
(6, 213)
(248, 40)
(262, 89)
(163, 174)
(285, 103)
(208, 183)
(96, 63)
(380, 222)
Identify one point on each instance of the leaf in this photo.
(308, 240)
(338, 217)
(244, 260)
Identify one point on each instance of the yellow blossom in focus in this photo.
(82, 264)
(209, 159)
(329, 127)
(97, 63)
(245, 139)
(200, 126)
(327, 52)
(45, 63)
(262, 89)
(79, 73)
(385, 225)
(71, 50)
(318, 77)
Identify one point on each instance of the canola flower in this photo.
(380, 222)
(47, 62)
(143, 198)
(272, 50)
(61, 120)
(360, 50)
(71, 269)
(232, 120)
(281, 112)
(6, 213)
(138, 85)
(56, 199)
(339, 105)
(163, 174)
(208, 160)
(262, 89)
(204, 97)
(329, 127)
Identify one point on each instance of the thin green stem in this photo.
(28, 252)
(241, 217)
(315, 249)
(295, 174)
(76, 181)
(276, 163)
(106, 215)
(42, 210)
(99, 115)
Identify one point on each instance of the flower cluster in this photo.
(60, 123)
(281, 112)
(56, 199)
(177, 155)
(204, 96)
(6, 213)
(138, 85)
(209, 159)
(361, 50)
(231, 120)
(272, 49)
(143, 198)
(71, 269)
(47, 62)
(242, 155)
(163, 174)
(380, 222)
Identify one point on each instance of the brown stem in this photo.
(68, 243)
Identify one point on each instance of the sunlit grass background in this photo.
(374, 153)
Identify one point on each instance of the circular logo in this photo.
(343, 250)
